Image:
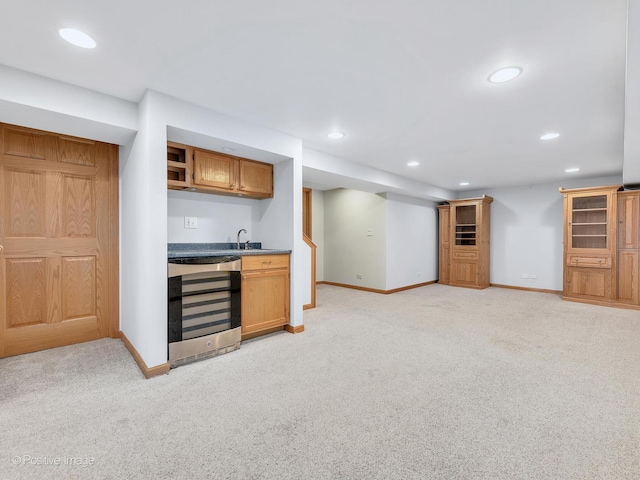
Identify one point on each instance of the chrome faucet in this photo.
(238, 238)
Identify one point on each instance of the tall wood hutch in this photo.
(601, 240)
(464, 242)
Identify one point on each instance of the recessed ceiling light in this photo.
(335, 135)
(549, 136)
(413, 164)
(228, 149)
(505, 74)
(77, 38)
(571, 170)
(462, 184)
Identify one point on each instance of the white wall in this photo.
(348, 250)
(412, 241)
(527, 228)
(317, 230)
(219, 218)
(632, 98)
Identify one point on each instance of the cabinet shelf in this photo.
(465, 224)
(178, 165)
(591, 223)
(590, 209)
(589, 236)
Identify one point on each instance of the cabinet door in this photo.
(628, 216)
(265, 300)
(213, 170)
(444, 225)
(445, 265)
(590, 222)
(256, 178)
(464, 272)
(444, 233)
(628, 277)
(589, 283)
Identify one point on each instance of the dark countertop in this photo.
(176, 250)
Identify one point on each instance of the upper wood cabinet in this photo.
(256, 178)
(205, 171)
(212, 169)
(464, 242)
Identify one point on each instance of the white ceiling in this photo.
(404, 80)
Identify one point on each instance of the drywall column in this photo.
(143, 237)
(631, 168)
(281, 226)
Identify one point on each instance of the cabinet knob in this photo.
(232, 185)
(1, 248)
(241, 187)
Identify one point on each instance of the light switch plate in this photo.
(190, 222)
(369, 232)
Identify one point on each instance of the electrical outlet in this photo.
(190, 222)
(529, 276)
(359, 276)
(369, 232)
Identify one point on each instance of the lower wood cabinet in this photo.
(464, 273)
(265, 292)
(588, 283)
(628, 272)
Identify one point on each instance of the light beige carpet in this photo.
(432, 383)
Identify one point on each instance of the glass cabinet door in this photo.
(466, 227)
(588, 227)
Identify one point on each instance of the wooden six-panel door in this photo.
(58, 232)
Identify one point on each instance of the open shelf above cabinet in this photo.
(177, 167)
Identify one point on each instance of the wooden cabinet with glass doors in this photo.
(464, 242)
(590, 251)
